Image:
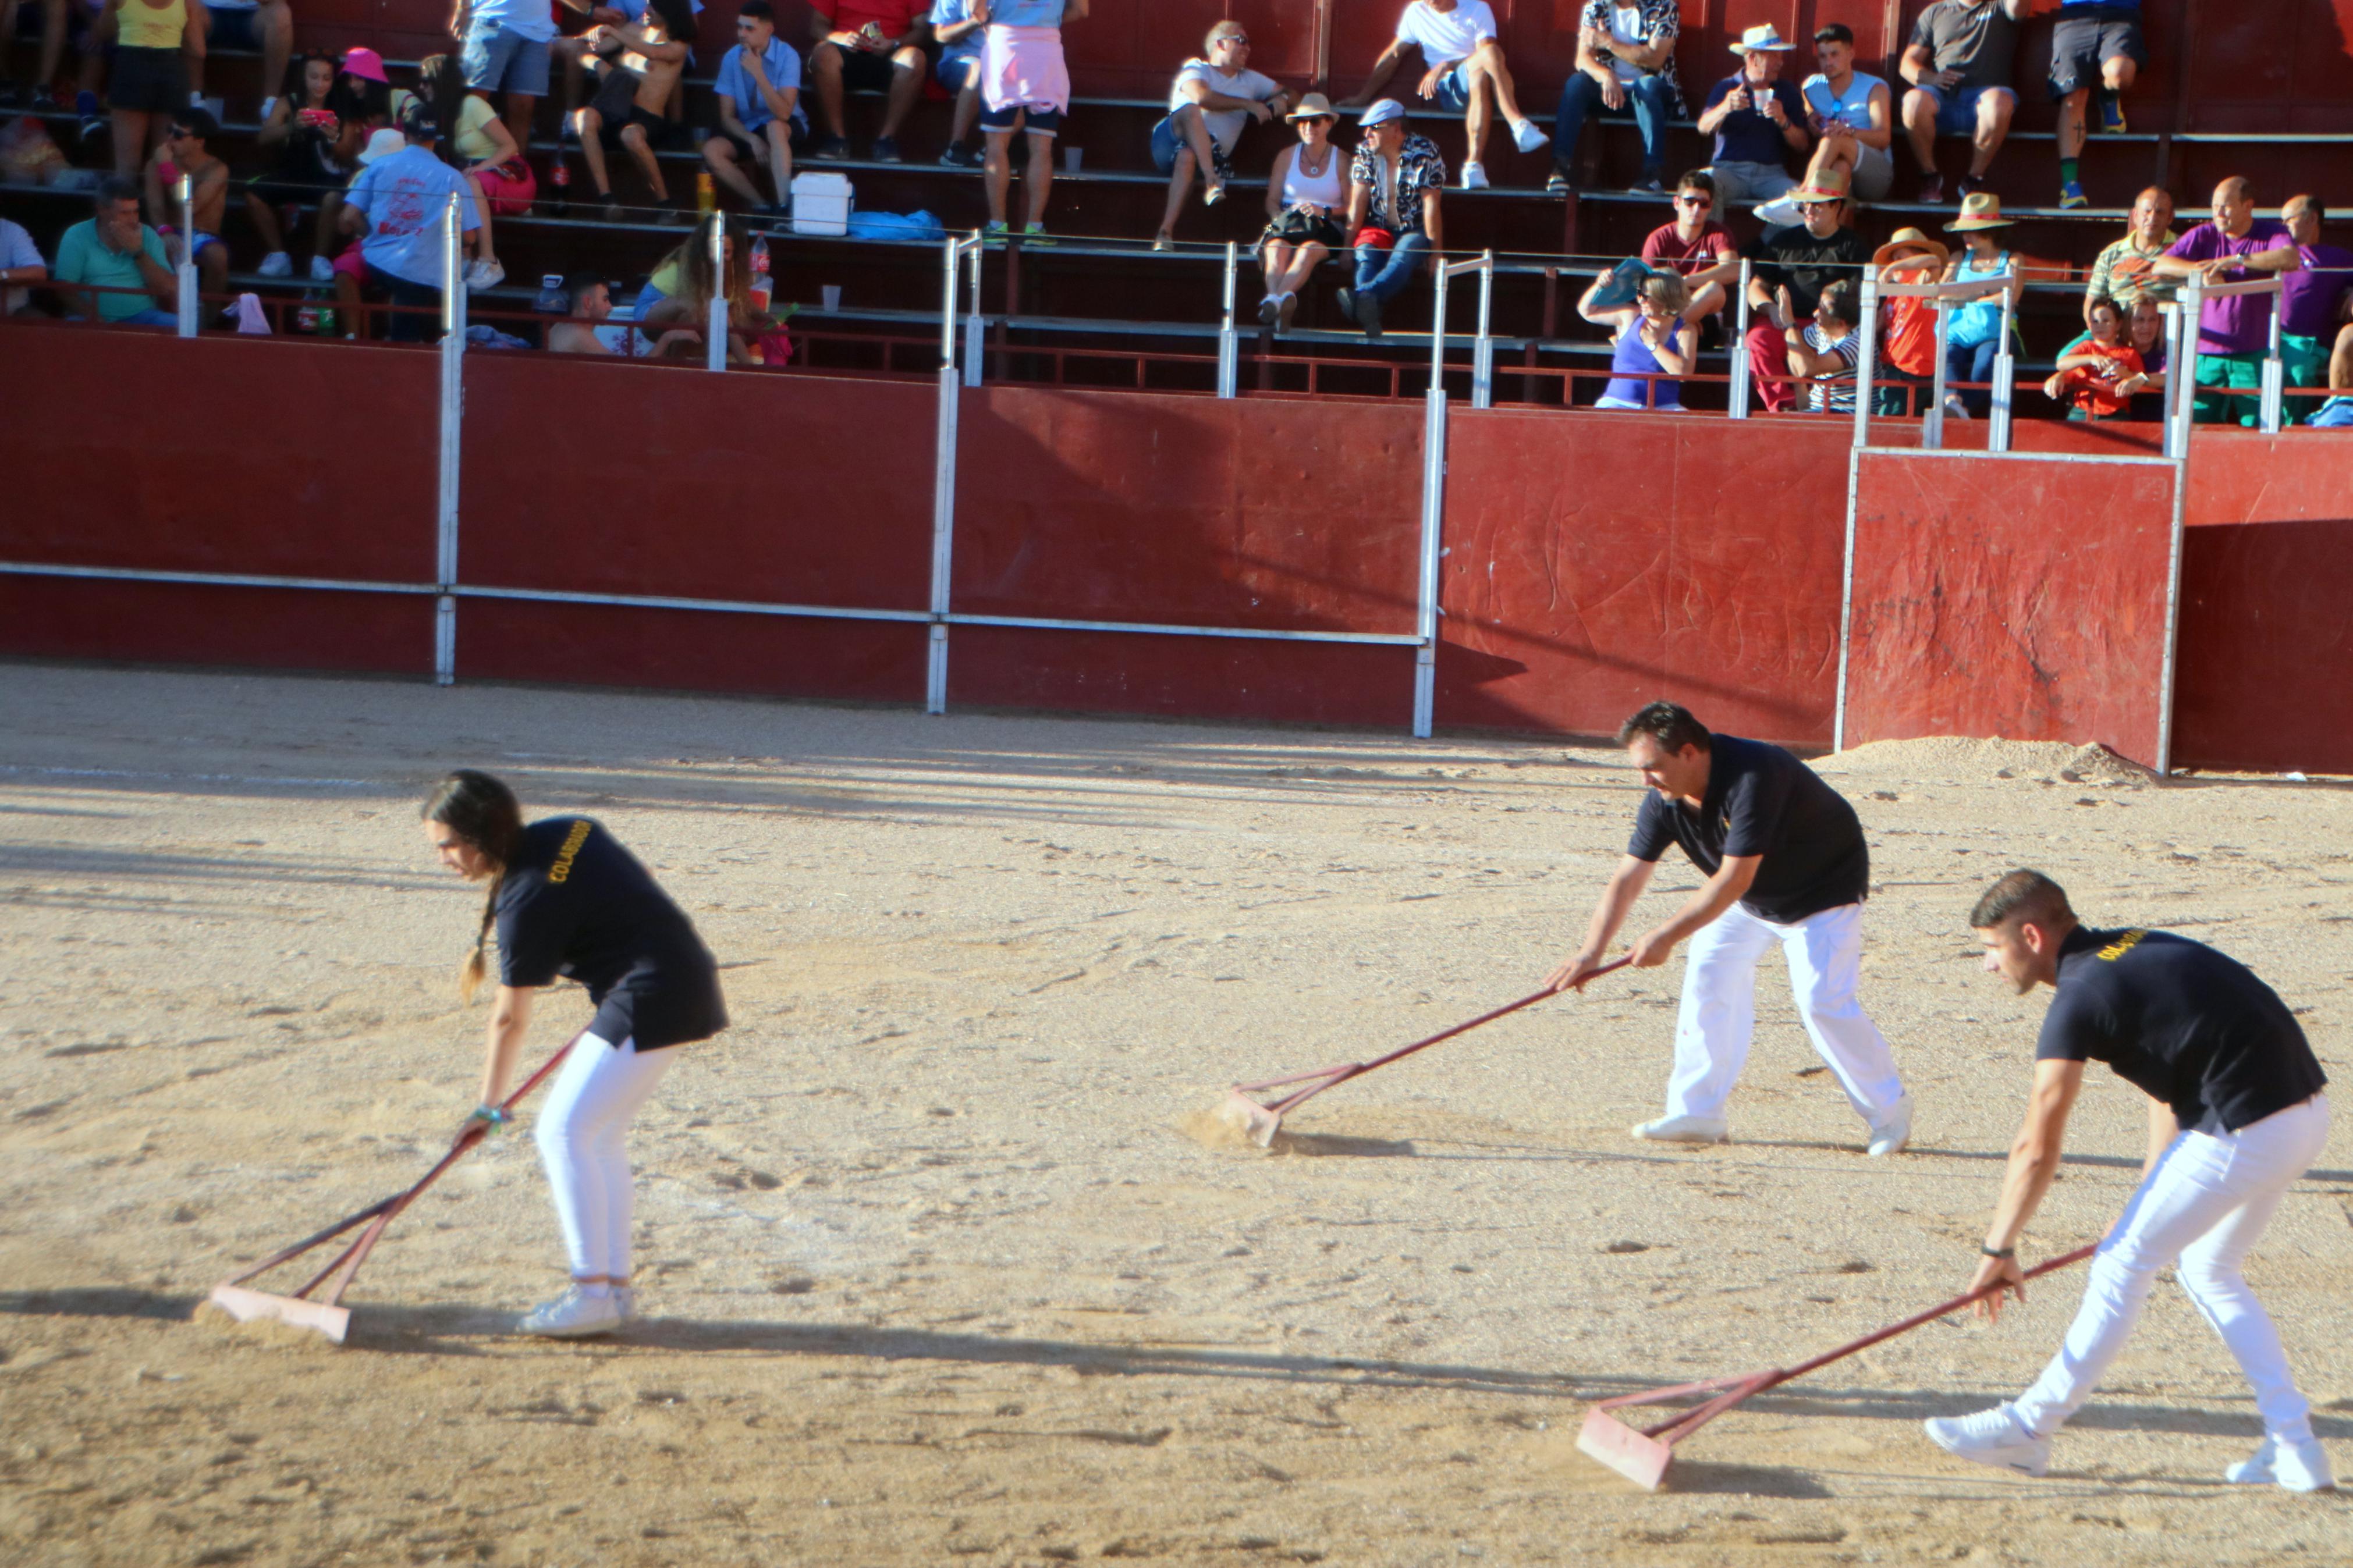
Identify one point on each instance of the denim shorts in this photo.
(1167, 141)
(1453, 88)
(501, 59)
(958, 72)
(1957, 108)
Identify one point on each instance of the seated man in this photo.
(2233, 332)
(2093, 38)
(1850, 115)
(631, 109)
(397, 206)
(958, 33)
(20, 264)
(592, 301)
(758, 91)
(1696, 246)
(1785, 287)
(1758, 120)
(114, 251)
(1212, 99)
(1456, 41)
(2125, 270)
(1826, 349)
(1960, 64)
(871, 45)
(1625, 65)
(267, 26)
(2315, 305)
(184, 152)
(1394, 186)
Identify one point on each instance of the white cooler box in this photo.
(822, 203)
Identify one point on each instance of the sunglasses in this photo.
(178, 134)
(1235, 39)
(1699, 202)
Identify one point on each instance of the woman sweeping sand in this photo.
(567, 900)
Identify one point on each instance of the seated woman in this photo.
(501, 183)
(1973, 333)
(364, 101)
(1306, 198)
(1653, 339)
(674, 308)
(2100, 372)
(300, 138)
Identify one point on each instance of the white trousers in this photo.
(1719, 1010)
(582, 1132)
(2205, 1204)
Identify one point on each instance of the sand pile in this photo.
(1956, 760)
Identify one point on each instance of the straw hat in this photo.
(1764, 36)
(1980, 209)
(1314, 105)
(1827, 185)
(1907, 239)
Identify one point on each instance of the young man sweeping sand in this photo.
(1785, 861)
(567, 900)
(2235, 1116)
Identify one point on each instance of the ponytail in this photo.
(483, 811)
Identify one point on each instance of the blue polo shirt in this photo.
(782, 63)
(948, 13)
(404, 197)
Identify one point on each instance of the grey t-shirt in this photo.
(1980, 41)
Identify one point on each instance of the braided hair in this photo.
(483, 812)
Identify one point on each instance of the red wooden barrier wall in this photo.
(2010, 598)
(229, 455)
(1598, 562)
(1276, 513)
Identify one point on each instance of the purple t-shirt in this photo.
(2308, 299)
(2239, 323)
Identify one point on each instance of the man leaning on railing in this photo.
(2233, 332)
(2316, 306)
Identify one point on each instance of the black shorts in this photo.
(149, 81)
(232, 27)
(1037, 121)
(2085, 35)
(615, 104)
(863, 71)
(796, 137)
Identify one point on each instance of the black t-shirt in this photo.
(1761, 800)
(575, 903)
(2182, 1023)
(1808, 265)
(1978, 41)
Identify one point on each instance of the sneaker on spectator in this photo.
(277, 264)
(1560, 183)
(1035, 234)
(1932, 191)
(831, 148)
(1214, 194)
(2112, 114)
(1971, 185)
(1527, 137)
(322, 271)
(959, 156)
(2070, 196)
(1779, 212)
(1269, 310)
(886, 150)
(92, 122)
(1648, 186)
(1290, 309)
(43, 101)
(1954, 407)
(1474, 176)
(481, 275)
(995, 233)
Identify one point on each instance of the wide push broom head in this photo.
(1248, 1118)
(253, 1306)
(1641, 1459)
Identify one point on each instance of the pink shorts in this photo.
(351, 266)
(509, 188)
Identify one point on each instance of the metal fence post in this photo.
(1738, 395)
(1228, 341)
(453, 419)
(974, 324)
(2273, 407)
(2181, 369)
(1869, 327)
(944, 464)
(714, 355)
(1932, 424)
(2004, 374)
(1482, 348)
(185, 274)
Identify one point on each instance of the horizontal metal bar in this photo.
(1457, 269)
(1392, 639)
(2270, 284)
(660, 601)
(211, 579)
(1970, 289)
(2019, 457)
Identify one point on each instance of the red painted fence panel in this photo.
(2010, 598)
(1598, 562)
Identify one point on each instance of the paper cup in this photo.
(1071, 159)
(832, 292)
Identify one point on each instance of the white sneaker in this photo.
(625, 1300)
(1954, 407)
(322, 271)
(1527, 137)
(481, 275)
(1991, 1437)
(574, 1315)
(1888, 1137)
(1779, 212)
(277, 264)
(2298, 1466)
(1474, 176)
(1682, 1129)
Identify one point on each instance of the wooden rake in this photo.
(324, 1313)
(1259, 1122)
(1642, 1456)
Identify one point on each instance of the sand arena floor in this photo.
(932, 1279)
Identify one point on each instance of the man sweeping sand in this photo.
(2235, 1116)
(1785, 861)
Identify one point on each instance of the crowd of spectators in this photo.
(384, 167)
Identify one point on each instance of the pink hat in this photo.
(365, 63)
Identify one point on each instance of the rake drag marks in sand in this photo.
(931, 1280)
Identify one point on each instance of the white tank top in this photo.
(1323, 190)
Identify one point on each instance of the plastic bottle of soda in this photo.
(563, 184)
(762, 286)
(706, 195)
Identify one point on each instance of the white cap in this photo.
(1380, 112)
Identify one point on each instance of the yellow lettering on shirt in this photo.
(2122, 945)
(572, 842)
